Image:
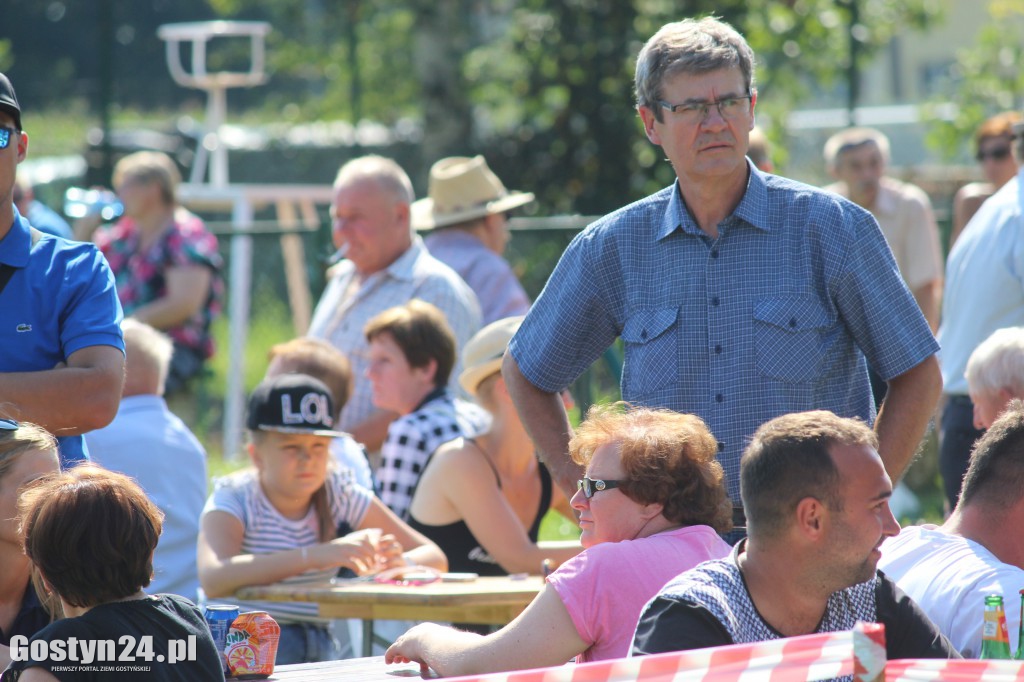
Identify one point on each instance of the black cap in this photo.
(292, 403)
(9, 101)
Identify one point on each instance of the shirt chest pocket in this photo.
(652, 351)
(791, 337)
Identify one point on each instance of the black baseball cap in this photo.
(9, 101)
(292, 403)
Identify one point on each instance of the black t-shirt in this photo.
(162, 618)
(31, 617)
(671, 624)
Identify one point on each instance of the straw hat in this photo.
(461, 189)
(482, 355)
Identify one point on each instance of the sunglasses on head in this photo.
(6, 133)
(8, 425)
(997, 154)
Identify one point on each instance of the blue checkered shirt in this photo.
(774, 316)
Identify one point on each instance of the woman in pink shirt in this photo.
(651, 505)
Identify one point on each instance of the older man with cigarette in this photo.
(386, 265)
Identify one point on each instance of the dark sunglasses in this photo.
(589, 486)
(6, 133)
(8, 425)
(997, 154)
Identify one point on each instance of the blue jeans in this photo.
(306, 643)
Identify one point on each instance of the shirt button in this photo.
(719, 398)
(714, 300)
(643, 334)
(718, 348)
(792, 322)
(721, 446)
(714, 253)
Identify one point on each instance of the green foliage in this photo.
(987, 79)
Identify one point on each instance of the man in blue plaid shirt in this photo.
(739, 295)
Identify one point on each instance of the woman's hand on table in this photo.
(356, 550)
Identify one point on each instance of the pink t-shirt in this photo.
(605, 587)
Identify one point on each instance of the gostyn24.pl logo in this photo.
(126, 649)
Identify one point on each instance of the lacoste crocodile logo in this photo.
(23, 328)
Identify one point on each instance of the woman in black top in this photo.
(481, 500)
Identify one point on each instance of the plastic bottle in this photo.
(80, 202)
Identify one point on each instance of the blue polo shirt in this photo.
(60, 299)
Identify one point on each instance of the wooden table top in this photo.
(485, 600)
(352, 670)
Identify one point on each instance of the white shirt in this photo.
(949, 577)
(149, 443)
(984, 288)
(416, 274)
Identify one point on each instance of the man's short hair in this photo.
(423, 334)
(998, 362)
(317, 358)
(789, 459)
(1000, 125)
(147, 349)
(852, 138)
(692, 46)
(667, 458)
(147, 166)
(388, 175)
(91, 533)
(995, 474)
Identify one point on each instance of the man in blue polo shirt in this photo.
(61, 351)
(739, 295)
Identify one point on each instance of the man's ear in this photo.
(647, 116)
(811, 514)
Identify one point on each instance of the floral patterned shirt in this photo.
(140, 275)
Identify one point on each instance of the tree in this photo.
(985, 80)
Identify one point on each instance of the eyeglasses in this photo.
(8, 425)
(729, 108)
(6, 133)
(997, 154)
(589, 486)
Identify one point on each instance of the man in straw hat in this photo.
(386, 264)
(61, 351)
(739, 295)
(471, 204)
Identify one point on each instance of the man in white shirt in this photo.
(149, 443)
(950, 569)
(386, 265)
(984, 291)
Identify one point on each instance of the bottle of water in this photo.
(80, 202)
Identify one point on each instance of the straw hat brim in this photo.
(425, 218)
(472, 376)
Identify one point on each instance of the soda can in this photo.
(220, 617)
(252, 645)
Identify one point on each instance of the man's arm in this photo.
(543, 414)
(908, 405)
(928, 297)
(72, 399)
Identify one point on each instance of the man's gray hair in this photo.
(998, 362)
(690, 46)
(382, 170)
(148, 348)
(852, 138)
